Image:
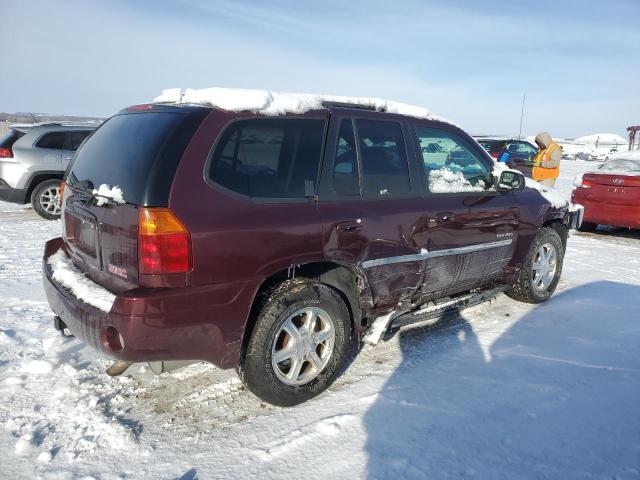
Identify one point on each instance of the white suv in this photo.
(33, 159)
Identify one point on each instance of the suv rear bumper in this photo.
(192, 323)
(13, 195)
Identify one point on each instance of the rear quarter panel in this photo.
(235, 238)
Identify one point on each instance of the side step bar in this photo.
(444, 307)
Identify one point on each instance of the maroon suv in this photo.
(270, 243)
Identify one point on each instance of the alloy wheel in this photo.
(303, 346)
(545, 264)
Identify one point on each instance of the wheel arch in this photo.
(37, 178)
(348, 281)
(560, 228)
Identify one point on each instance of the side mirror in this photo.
(510, 181)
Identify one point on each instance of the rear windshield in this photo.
(138, 152)
(622, 165)
(10, 138)
(490, 145)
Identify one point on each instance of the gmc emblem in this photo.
(119, 271)
(618, 181)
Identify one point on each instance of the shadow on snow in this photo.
(558, 397)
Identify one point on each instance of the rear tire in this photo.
(541, 270)
(45, 199)
(588, 227)
(284, 364)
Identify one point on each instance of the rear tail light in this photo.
(580, 182)
(6, 153)
(495, 155)
(62, 185)
(164, 243)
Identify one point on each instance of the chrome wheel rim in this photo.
(303, 346)
(545, 264)
(50, 200)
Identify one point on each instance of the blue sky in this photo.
(470, 61)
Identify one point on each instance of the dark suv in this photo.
(271, 243)
(519, 153)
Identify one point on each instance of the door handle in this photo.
(444, 217)
(350, 226)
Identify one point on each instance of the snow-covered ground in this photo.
(507, 391)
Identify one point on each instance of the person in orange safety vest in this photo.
(546, 163)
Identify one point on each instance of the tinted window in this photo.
(53, 140)
(139, 152)
(521, 148)
(10, 138)
(451, 164)
(385, 170)
(345, 165)
(76, 138)
(270, 158)
(492, 146)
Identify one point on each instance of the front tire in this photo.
(299, 342)
(542, 267)
(45, 199)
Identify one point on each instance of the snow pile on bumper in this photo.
(67, 275)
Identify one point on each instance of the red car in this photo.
(269, 242)
(611, 194)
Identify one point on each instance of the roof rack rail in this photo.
(359, 106)
(58, 123)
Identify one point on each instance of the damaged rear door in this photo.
(368, 204)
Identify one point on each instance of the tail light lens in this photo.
(495, 154)
(580, 182)
(164, 243)
(6, 153)
(587, 183)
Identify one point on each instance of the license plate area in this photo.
(81, 229)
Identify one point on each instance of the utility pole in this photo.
(524, 96)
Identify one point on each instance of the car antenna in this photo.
(524, 96)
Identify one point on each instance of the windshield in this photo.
(622, 165)
(139, 153)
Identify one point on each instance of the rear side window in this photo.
(139, 152)
(76, 138)
(383, 154)
(269, 158)
(10, 138)
(52, 141)
(345, 165)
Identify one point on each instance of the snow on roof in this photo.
(601, 138)
(277, 103)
